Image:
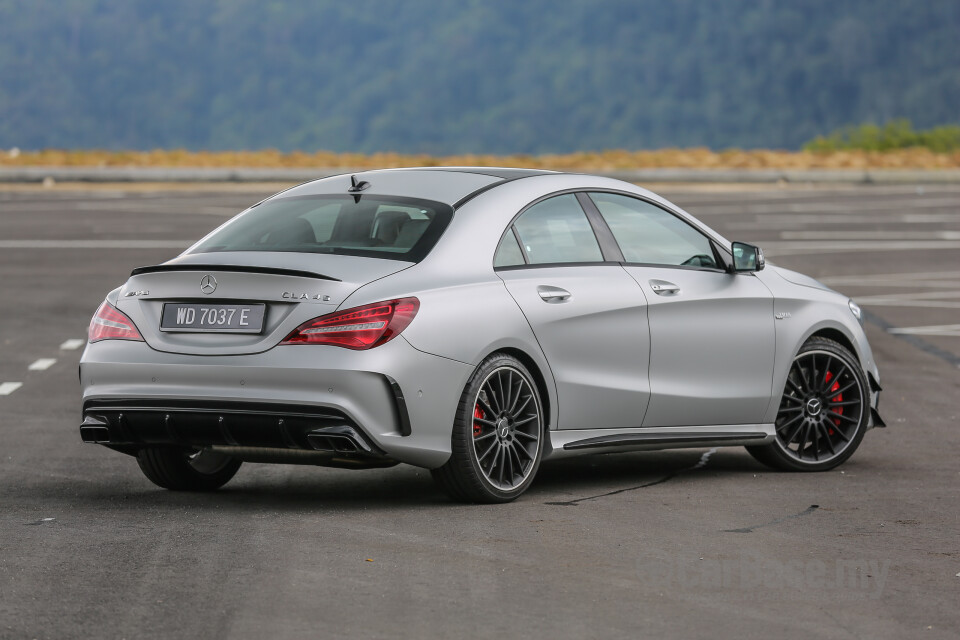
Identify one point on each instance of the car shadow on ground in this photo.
(285, 488)
(294, 488)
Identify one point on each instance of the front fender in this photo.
(816, 313)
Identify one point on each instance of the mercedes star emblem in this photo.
(208, 284)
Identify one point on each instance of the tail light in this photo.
(358, 328)
(110, 324)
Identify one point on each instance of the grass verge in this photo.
(909, 158)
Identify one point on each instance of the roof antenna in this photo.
(356, 186)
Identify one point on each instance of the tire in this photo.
(501, 406)
(185, 470)
(824, 410)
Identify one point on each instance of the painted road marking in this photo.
(761, 191)
(926, 279)
(933, 330)
(870, 235)
(9, 387)
(42, 364)
(95, 244)
(945, 287)
(138, 207)
(73, 343)
(801, 220)
(824, 207)
(810, 247)
(936, 299)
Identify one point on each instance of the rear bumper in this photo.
(255, 432)
(400, 401)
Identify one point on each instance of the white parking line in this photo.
(870, 235)
(824, 207)
(933, 330)
(801, 220)
(838, 207)
(9, 387)
(42, 364)
(810, 247)
(139, 207)
(934, 299)
(929, 279)
(73, 343)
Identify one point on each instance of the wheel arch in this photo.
(833, 328)
(538, 378)
(844, 340)
(832, 333)
(812, 387)
(790, 339)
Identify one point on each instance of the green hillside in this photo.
(442, 77)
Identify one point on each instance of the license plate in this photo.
(220, 318)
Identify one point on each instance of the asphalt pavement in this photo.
(680, 544)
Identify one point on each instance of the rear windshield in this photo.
(377, 226)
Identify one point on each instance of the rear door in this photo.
(711, 332)
(587, 313)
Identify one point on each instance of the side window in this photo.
(557, 230)
(508, 253)
(649, 235)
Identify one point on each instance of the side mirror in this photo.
(746, 257)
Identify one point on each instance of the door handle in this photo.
(553, 294)
(664, 288)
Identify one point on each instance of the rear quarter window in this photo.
(555, 231)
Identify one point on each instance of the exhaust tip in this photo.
(344, 445)
(342, 439)
(319, 443)
(333, 443)
(95, 434)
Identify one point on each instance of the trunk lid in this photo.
(293, 287)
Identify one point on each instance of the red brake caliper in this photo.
(478, 413)
(838, 398)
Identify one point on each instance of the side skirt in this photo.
(567, 443)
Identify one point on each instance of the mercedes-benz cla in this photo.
(474, 322)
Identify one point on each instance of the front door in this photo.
(711, 346)
(712, 338)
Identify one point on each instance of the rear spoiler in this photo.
(236, 268)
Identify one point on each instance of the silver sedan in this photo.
(475, 322)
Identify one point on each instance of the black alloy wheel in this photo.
(823, 411)
(497, 440)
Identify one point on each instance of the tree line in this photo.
(473, 76)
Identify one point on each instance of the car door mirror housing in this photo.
(746, 257)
